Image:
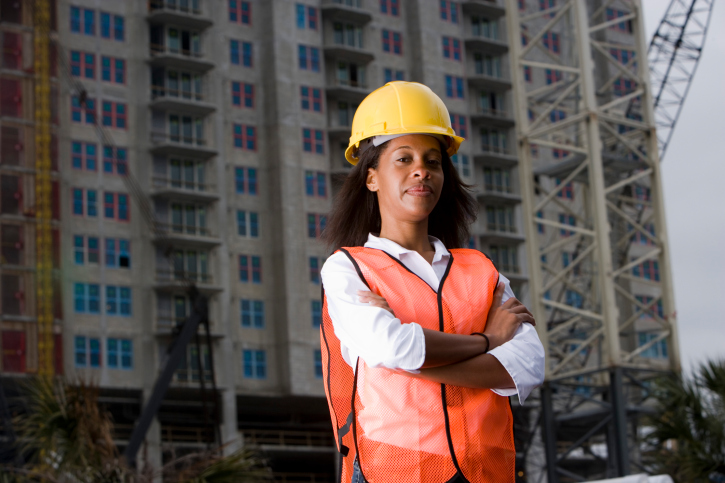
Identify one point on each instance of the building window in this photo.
(247, 223)
(494, 141)
(118, 253)
(625, 26)
(315, 265)
(306, 17)
(114, 114)
(317, 354)
(309, 58)
(252, 313)
(118, 301)
(392, 42)
(84, 205)
(458, 123)
(77, 111)
(551, 41)
(311, 98)
(316, 184)
(505, 258)
(113, 70)
(315, 225)
(449, 11)
(245, 137)
(240, 12)
(639, 237)
(574, 299)
(540, 226)
(649, 270)
(119, 353)
(390, 7)
(250, 269)
(393, 75)
(118, 30)
(656, 350)
(451, 48)
(546, 5)
(115, 160)
(241, 53)
(255, 364)
(245, 181)
(566, 191)
(462, 164)
(85, 250)
(83, 156)
(500, 219)
(87, 298)
(82, 64)
(12, 57)
(497, 179)
(316, 314)
(87, 351)
(115, 206)
(527, 73)
(243, 94)
(484, 27)
(552, 76)
(565, 219)
(454, 86)
(88, 24)
(313, 141)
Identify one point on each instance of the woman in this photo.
(422, 340)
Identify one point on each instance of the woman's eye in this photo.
(403, 160)
(434, 162)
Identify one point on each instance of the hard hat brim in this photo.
(453, 146)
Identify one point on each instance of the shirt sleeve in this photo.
(522, 356)
(366, 331)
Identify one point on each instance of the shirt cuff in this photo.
(415, 359)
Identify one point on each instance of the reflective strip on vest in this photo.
(408, 430)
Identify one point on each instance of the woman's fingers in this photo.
(374, 299)
(526, 317)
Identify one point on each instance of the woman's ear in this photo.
(372, 181)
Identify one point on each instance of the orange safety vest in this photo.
(405, 430)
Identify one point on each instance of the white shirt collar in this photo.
(397, 251)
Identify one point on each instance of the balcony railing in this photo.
(508, 268)
(498, 113)
(347, 3)
(166, 275)
(185, 229)
(182, 6)
(159, 137)
(497, 188)
(494, 149)
(169, 322)
(160, 182)
(500, 228)
(166, 92)
(157, 49)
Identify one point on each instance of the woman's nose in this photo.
(420, 169)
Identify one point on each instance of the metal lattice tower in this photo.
(591, 253)
(674, 53)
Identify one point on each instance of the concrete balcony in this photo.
(179, 13)
(486, 45)
(489, 82)
(347, 90)
(495, 233)
(345, 10)
(163, 56)
(487, 8)
(166, 144)
(492, 117)
(174, 280)
(183, 190)
(495, 156)
(166, 99)
(185, 236)
(347, 52)
(498, 195)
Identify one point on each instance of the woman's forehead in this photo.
(414, 141)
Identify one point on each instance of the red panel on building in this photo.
(13, 346)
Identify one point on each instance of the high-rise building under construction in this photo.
(233, 117)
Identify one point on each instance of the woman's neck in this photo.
(412, 236)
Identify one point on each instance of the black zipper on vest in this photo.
(441, 327)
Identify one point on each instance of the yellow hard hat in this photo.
(401, 108)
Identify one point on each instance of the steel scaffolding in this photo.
(589, 131)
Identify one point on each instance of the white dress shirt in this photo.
(384, 341)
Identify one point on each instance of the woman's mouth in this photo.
(420, 190)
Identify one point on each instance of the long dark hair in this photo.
(355, 211)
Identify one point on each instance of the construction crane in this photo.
(598, 116)
(674, 54)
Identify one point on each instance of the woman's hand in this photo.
(375, 300)
(504, 320)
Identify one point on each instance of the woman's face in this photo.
(408, 178)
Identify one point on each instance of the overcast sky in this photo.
(693, 172)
